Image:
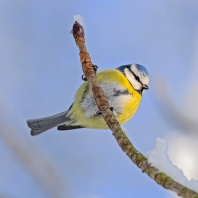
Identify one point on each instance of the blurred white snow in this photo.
(158, 157)
(79, 19)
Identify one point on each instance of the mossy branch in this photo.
(125, 144)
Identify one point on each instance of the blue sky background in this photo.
(40, 73)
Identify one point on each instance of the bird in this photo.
(123, 88)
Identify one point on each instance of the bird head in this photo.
(137, 75)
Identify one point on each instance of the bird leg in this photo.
(111, 108)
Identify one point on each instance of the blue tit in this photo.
(123, 88)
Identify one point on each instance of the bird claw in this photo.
(99, 112)
(83, 77)
(95, 68)
(111, 108)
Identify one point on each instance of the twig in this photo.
(125, 144)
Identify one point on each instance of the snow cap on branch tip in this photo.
(79, 19)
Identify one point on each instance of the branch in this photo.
(125, 144)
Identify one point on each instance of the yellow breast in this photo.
(131, 105)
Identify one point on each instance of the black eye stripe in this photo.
(136, 77)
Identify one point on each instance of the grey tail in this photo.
(40, 125)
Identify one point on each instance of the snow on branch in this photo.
(158, 157)
(125, 144)
(79, 19)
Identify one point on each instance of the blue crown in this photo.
(142, 70)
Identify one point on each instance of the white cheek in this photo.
(145, 80)
(136, 85)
